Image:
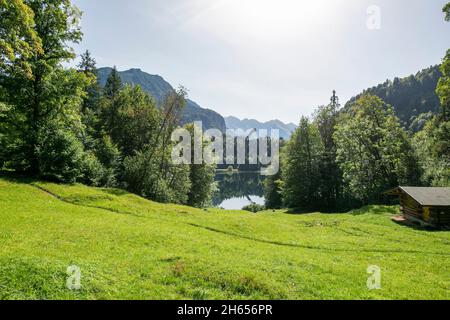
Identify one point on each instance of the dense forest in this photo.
(413, 98)
(59, 124)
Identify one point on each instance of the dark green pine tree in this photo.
(90, 107)
(111, 103)
(113, 84)
(87, 64)
(326, 120)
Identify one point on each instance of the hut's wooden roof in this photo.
(439, 197)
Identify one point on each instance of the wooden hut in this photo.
(430, 206)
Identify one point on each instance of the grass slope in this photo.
(131, 248)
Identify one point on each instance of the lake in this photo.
(237, 190)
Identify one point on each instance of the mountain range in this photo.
(284, 129)
(413, 98)
(156, 86)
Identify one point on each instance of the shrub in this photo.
(254, 208)
(60, 154)
(143, 175)
(93, 170)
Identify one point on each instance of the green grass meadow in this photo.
(131, 248)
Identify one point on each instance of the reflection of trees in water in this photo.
(238, 185)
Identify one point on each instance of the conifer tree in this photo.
(113, 84)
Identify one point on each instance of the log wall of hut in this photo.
(410, 207)
(440, 216)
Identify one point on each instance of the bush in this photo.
(93, 170)
(102, 166)
(60, 155)
(254, 208)
(143, 175)
(107, 152)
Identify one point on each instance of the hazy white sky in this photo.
(266, 59)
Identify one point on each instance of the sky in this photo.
(267, 59)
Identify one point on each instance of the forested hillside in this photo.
(159, 88)
(413, 98)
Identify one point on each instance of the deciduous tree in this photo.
(373, 151)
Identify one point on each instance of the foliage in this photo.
(107, 152)
(59, 124)
(433, 143)
(273, 192)
(142, 175)
(410, 97)
(152, 174)
(301, 172)
(91, 102)
(436, 166)
(93, 171)
(373, 150)
(446, 10)
(311, 177)
(326, 118)
(60, 154)
(149, 172)
(201, 175)
(443, 88)
(50, 93)
(158, 88)
(18, 39)
(131, 119)
(254, 207)
(113, 84)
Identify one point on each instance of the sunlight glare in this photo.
(269, 19)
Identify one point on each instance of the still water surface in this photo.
(237, 190)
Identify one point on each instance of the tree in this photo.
(446, 10)
(171, 110)
(326, 118)
(61, 155)
(113, 84)
(373, 151)
(273, 191)
(90, 107)
(443, 89)
(109, 103)
(442, 132)
(18, 40)
(433, 143)
(132, 120)
(141, 175)
(300, 170)
(201, 175)
(87, 64)
(410, 96)
(429, 145)
(88, 67)
(50, 93)
(148, 169)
